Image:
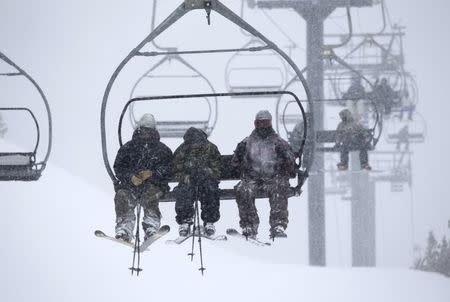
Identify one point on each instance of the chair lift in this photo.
(374, 54)
(176, 129)
(286, 121)
(405, 132)
(24, 166)
(293, 119)
(254, 70)
(209, 6)
(397, 167)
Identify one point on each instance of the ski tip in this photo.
(99, 233)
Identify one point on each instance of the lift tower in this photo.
(315, 12)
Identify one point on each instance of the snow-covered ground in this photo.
(51, 254)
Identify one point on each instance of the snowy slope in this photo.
(50, 254)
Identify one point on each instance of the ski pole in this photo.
(197, 216)
(137, 245)
(193, 232)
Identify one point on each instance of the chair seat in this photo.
(18, 166)
(226, 194)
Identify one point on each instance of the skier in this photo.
(143, 167)
(197, 167)
(356, 90)
(351, 135)
(385, 96)
(354, 94)
(266, 162)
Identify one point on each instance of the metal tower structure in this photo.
(315, 12)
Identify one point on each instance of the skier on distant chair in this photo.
(143, 166)
(350, 136)
(266, 163)
(197, 167)
(3, 127)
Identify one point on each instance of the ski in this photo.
(255, 241)
(101, 234)
(160, 233)
(182, 239)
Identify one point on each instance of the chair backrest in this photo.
(16, 159)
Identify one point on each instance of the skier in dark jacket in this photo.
(384, 96)
(351, 135)
(143, 167)
(266, 162)
(197, 167)
(356, 91)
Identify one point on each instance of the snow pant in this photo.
(126, 201)
(209, 197)
(277, 190)
(363, 157)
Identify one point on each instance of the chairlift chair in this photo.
(209, 6)
(24, 166)
(285, 121)
(406, 132)
(169, 128)
(176, 129)
(254, 70)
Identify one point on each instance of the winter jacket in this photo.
(384, 95)
(141, 154)
(351, 134)
(264, 158)
(356, 91)
(197, 158)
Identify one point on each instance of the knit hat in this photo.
(263, 115)
(263, 119)
(147, 121)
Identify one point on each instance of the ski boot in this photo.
(210, 229)
(184, 229)
(277, 232)
(123, 235)
(342, 167)
(249, 232)
(366, 167)
(149, 232)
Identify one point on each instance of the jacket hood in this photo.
(146, 135)
(346, 115)
(195, 136)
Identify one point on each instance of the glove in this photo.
(136, 181)
(144, 175)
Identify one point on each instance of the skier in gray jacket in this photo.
(266, 163)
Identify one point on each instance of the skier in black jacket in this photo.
(143, 167)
